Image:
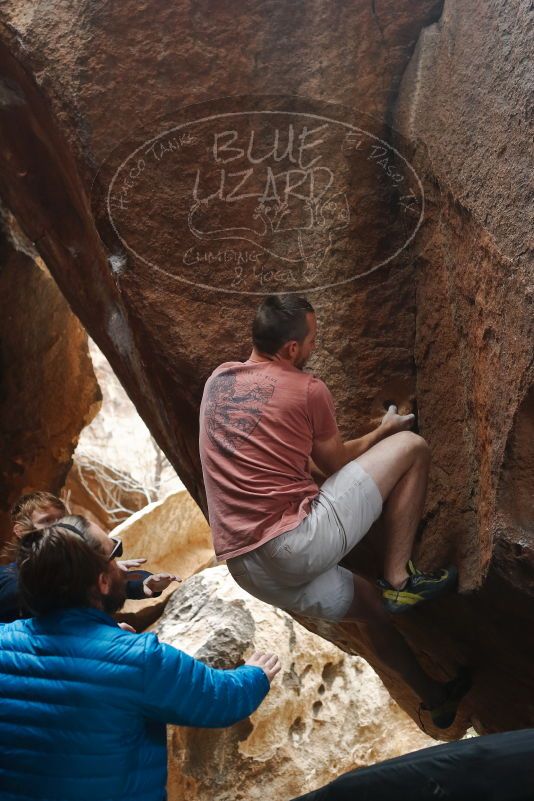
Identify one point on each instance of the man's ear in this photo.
(291, 349)
(104, 583)
(18, 529)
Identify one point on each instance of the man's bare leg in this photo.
(399, 466)
(388, 644)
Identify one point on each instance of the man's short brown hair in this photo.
(280, 319)
(23, 509)
(59, 568)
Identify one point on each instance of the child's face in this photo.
(46, 515)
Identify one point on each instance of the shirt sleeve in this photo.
(181, 690)
(321, 410)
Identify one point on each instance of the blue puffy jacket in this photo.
(83, 707)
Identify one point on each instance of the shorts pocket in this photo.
(236, 568)
(273, 547)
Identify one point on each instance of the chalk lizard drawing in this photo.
(310, 243)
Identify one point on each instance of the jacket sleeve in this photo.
(135, 588)
(181, 690)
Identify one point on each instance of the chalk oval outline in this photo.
(307, 290)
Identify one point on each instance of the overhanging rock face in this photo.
(435, 314)
(77, 88)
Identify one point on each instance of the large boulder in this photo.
(462, 109)
(464, 105)
(474, 287)
(174, 537)
(286, 747)
(98, 147)
(48, 390)
(72, 83)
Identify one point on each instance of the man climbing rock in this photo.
(283, 538)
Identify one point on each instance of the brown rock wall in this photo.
(103, 74)
(48, 391)
(464, 104)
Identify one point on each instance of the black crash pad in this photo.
(495, 767)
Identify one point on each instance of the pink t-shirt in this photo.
(258, 422)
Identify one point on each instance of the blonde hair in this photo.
(23, 509)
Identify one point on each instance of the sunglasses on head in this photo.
(117, 548)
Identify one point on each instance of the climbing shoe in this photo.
(419, 587)
(443, 715)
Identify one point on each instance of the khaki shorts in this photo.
(298, 570)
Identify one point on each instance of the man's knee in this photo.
(412, 442)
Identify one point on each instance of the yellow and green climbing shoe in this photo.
(419, 587)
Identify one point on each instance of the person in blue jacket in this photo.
(38, 509)
(85, 703)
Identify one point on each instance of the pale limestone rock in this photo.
(327, 712)
(174, 537)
